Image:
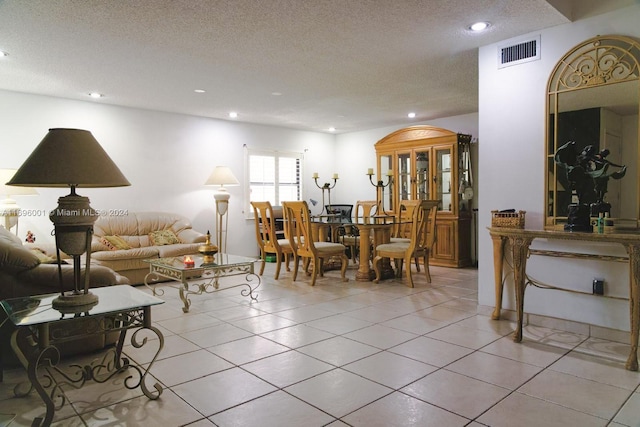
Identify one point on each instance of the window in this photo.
(273, 176)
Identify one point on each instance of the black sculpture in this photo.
(588, 173)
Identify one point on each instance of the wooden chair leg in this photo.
(306, 263)
(343, 269)
(278, 264)
(399, 265)
(376, 268)
(314, 272)
(295, 267)
(264, 261)
(354, 248)
(426, 268)
(409, 276)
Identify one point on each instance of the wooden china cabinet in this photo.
(426, 162)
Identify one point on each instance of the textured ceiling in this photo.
(304, 64)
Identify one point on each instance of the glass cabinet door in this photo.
(443, 178)
(423, 181)
(404, 177)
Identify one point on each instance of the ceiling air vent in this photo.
(513, 54)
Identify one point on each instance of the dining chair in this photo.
(267, 237)
(404, 223)
(420, 244)
(349, 233)
(300, 235)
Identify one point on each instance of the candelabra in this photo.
(325, 187)
(380, 186)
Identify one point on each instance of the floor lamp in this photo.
(222, 176)
(9, 209)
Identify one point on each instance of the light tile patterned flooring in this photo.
(354, 354)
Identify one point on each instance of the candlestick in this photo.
(380, 186)
(325, 187)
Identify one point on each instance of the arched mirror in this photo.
(592, 100)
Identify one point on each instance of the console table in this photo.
(120, 308)
(521, 239)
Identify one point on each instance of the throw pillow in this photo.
(14, 258)
(44, 258)
(163, 237)
(114, 242)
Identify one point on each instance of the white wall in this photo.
(168, 157)
(512, 168)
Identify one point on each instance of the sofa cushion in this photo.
(133, 253)
(115, 242)
(123, 265)
(13, 257)
(163, 237)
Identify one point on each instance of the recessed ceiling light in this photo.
(95, 95)
(332, 129)
(411, 115)
(199, 90)
(479, 26)
(276, 93)
(233, 115)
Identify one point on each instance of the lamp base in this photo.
(75, 301)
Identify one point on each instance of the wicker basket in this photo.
(508, 219)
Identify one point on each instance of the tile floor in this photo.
(353, 354)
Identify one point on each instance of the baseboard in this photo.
(594, 331)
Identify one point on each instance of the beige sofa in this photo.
(138, 234)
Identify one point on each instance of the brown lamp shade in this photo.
(69, 157)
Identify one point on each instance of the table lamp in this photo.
(71, 158)
(9, 209)
(222, 176)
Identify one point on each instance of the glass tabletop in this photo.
(37, 309)
(219, 260)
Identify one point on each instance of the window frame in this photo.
(249, 152)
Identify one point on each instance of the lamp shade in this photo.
(10, 190)
(69, 157)
(222, 176)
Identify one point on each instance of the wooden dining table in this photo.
(379, 227)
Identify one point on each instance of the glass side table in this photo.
(209, 272)
(120, 308)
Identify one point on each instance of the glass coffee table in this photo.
(208, 274)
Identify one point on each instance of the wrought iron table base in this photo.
(208, 286)
(40, 360)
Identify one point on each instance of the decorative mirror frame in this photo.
(597, 62)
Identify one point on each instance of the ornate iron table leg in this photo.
(40, 360)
